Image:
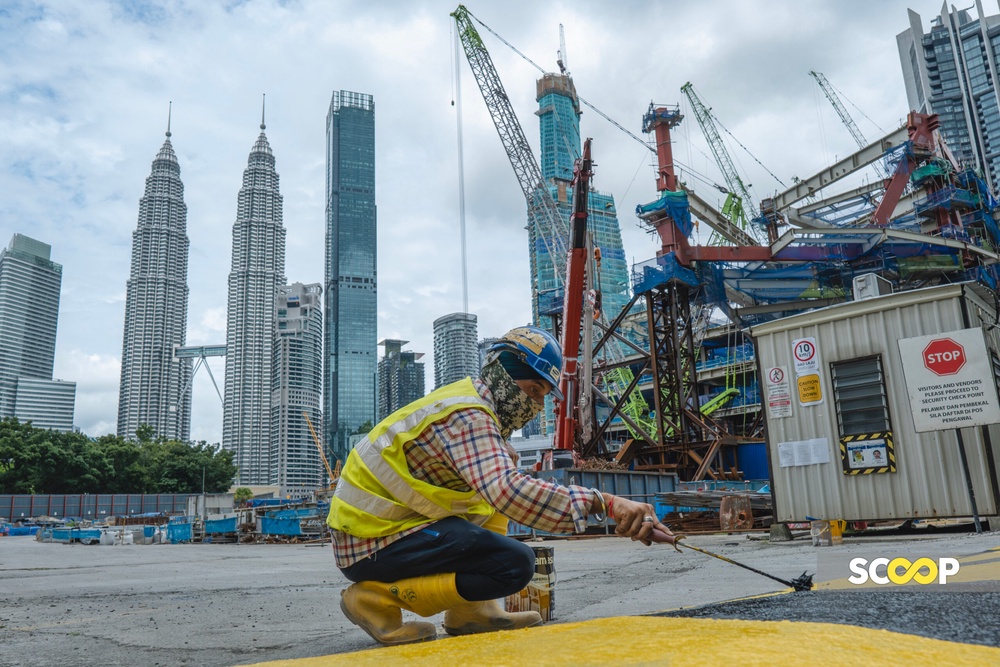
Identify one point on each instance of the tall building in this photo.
(559, 124)
(953, 71)
(156, 301)
(46, 404)
(350, 325)
(258, 269)
(297, 390)
(400, 377)
(456, 354)
(29, 312)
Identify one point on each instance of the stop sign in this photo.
(943, 356)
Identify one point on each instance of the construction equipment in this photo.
(334, 475)
(567, 418)
(737, 188)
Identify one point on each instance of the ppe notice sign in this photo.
(949, 380)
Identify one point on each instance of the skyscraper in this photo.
(559, 125)
(350, 325)
(456, 354)
(400, 377)
(29, 312)
(952, 71)
(156, 300)
(297, 389)
(258, 269)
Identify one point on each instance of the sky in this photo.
(85, 89)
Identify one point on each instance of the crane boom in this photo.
(543, 215)
(722, 158)
(319, 446)
(841, 110)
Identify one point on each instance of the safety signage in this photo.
(808, 380)
(949, 379)
(779, 393)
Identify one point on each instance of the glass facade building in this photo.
(456, 353)
(400, 377)
(46, 404)
(257, 271)
(953, 71)
(30, 283)
(154, 387)
(350, 326)
(296, 390)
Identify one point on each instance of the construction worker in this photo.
(419, 516)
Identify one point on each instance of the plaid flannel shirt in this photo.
(466, 452)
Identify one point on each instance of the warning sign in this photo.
(779, 393)
(949, 379)
(808, 381)
(810, 389)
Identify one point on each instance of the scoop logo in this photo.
(902, 571)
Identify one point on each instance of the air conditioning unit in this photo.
(870, 285)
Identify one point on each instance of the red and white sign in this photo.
(949, 380)
(809, 381)
(779, 393)
(943, 356)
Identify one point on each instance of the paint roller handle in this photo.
(659, 537)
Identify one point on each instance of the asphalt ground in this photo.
(616, 602)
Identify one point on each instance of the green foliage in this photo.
(35, 460)
(365, 428)
(242, 494)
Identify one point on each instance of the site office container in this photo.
(929, 481)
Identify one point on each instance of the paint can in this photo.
(540, 593)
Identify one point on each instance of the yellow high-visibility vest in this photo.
(377, 496)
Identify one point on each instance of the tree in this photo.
(242, 494)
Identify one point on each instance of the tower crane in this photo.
(845, 117)
(543, 215)
(736, 210)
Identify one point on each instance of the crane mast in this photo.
(722, 158)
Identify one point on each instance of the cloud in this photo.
(85, 88)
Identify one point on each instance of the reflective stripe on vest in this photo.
(378, 496)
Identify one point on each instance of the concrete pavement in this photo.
(222, 605)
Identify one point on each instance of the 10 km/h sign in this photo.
(949, 379)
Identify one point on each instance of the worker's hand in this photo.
(636, 520)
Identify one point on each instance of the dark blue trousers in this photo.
(487, 566)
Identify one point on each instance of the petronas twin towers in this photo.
(274, 339)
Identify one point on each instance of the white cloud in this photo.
(84, 92)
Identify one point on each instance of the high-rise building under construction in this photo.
(559, 123)
(350, 325)
(258, 270)
(154, 385)
(952, 71)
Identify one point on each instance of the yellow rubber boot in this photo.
(486, 616)
(376, 607)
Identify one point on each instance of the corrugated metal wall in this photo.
(929, 481)
(90, 506)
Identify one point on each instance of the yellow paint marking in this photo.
(677, 642)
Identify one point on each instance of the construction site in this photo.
(818, 367)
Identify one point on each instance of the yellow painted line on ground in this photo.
(675, 642)
(712, 604)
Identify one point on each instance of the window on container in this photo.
(860, 397)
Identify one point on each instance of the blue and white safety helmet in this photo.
(535, 348)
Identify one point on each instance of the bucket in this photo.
(820, 533)
(540, 593)
(837, 527)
